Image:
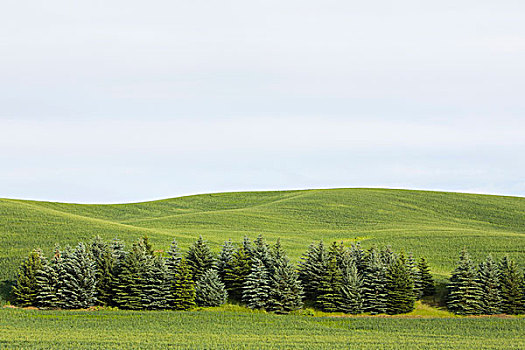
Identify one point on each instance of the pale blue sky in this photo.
(118, 101)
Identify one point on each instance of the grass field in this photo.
(432, 224)
(234, 329)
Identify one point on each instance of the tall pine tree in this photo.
(328, 293)
(311, 269)
(511, 280)
(399, 287)
(79, 281)
(488, 278)
(256, 288)
(199, 258)
(156, 289)
(351, 290)
(464, 291)
(209, 289)
(105, 261)
(26, 288)
(224, 260)
(48, 282)
(236, 274)
(286, 291)
(183, 288)
(374, 284)
(428, 287)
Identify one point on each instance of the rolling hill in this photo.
(436, 225)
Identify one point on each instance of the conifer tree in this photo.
(183, 288)
(199, 258)
(209, 290)
(256, 288)
(427, 282)
(286, 291)
(224, 260)
(328, 293)
(237, 272)
(146, 245)
(488, 278)
(105, 261)
(387, 256)
(464, 292)
(156, 290)
(79, 281)
(248, 247)
(415, 276)
(351, 290)
(261, 251)
(48, 282)
(400, 288)
(26, 288)
(131, 279)
(277, 252)
(173, 259)
(358, 256)
(511, 280)
(374, 284)
(311, 269)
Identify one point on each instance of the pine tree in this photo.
(358, 256)
(48, 282)
(328, 294)
(256, 288)
(79, 279)
(130, 283)
(374, 284)
(183, 288)
(464, 292)
(312, 268)
(511, 280)
(488, 278)
(286, 291)
(146, 245)
(248, 247)
(26, 288)
(199, 258)
(387, 256)
(118, 255)
(277, 252)
(209, 290)
(415, 276)
(105, 261)
(351, 291)
(224, 260)
(261, 251)
(173, 259)
(237, 272)
(399, 287)
(156, 290)
(428, 287)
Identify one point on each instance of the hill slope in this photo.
(434, 224)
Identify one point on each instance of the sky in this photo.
(124, 101)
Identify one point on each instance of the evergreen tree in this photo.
(199, 258)
(26, 288)
(328, 294)
(237, 272)
(209, 290)
(400, 288)
(488, 278)
(256, 289)
(351, 291)
(224, 260)
(387, 256)
(173, 260)
(511, 287)
(285, 289)
(183, 288)
(464, 292)
(79, 281)
(358, 256)
(146, 245)
(130, 284)
(311, 269)
(105, 260)
(156, 290)
(428, 287)
(415, 276)
(248, 247)
(261, 251)
(48, 282)
(277, 252)
(374, 284)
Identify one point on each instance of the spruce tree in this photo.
(387, 256)
(248, 247)
(209, 290)
(328, 293)
(488, 278)
(237, 272)
(464, 292)
(129, 287)
(261, 251)
(411, 266)
(146, 245)
(311, 269)
(79, 281)
(173, 259)
(48, 282)
(511, 280)
(199, 258)
(358, 256)
(374, 284)
(156, 290)
(105, 261)
(351, 290)
(399, 287)
(428, 287)
(183, 288)
(225, 258)
(286, 292)
(26, 289)
(256, 288)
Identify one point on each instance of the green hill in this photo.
(433, 224)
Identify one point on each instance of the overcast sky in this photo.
(119, 101)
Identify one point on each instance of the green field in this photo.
(30, 329)
(436, 225)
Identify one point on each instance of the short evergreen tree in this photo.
(286, 292)
(199, 258)
(129, 288)
(237, 272)
(428, 287)
(256, 288)
(328, 293)
(209, 289)
(351, 291)
(26, 289)
(224, 260)
(399, 287)
(155, 293)
(464, 292)
(79, 281)
(48, 282)
(374, 284)
(311, 269)
(183, 288)
(488, 278)
(511, 280)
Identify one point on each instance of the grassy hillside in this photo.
(434, 224)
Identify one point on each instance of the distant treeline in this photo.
(333, 278)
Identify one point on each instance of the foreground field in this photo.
(31, 329)
(432, 224)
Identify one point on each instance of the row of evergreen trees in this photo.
(488, 288)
